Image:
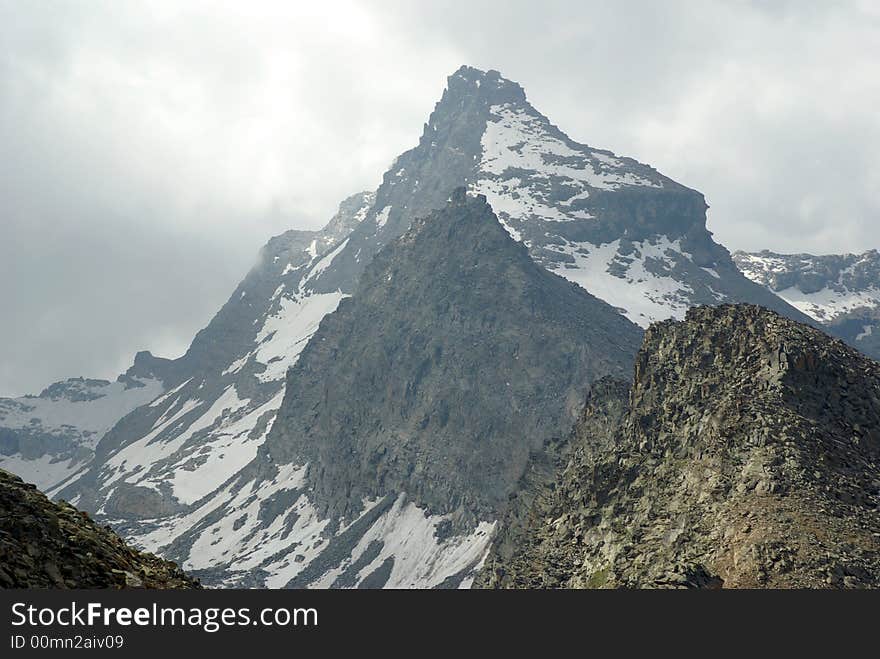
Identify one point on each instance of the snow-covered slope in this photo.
(841, 291)
(183, 475)
(224, 392)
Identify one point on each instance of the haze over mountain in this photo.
(191, 474)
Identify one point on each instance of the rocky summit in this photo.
(746, 455)
(54, 545)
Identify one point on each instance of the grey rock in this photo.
(729, 464)
(54, 545)
(455, 357)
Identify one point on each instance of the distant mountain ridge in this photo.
(52, 437)
(841, 291)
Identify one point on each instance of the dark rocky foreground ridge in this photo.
(53, 545)
(456, 354)
(747, 454)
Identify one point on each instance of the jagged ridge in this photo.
(170, 474)
(748, 457)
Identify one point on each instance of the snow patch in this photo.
(827, 304)
(285, 333)
(223, 453)
(324, 263)
(623, 280)
(409, 537)
(382, 216)
(45, 471)
(236, 366)
(88, 419)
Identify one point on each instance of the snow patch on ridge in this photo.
(625, 282)
(382, 216)
(529, 172)
(285, 333)
(224, 452)
(518, 140)
(827, 304)
(45, 471)
(68, 420)
(323, 264)
(134, 461)
(409, 538)
(232, 533)
(849, 281)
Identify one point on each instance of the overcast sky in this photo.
(150, 148)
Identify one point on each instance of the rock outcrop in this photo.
(54, 545)
(747, 455)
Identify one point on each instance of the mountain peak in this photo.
(464, 228)
(466, 279)
(468, 96)
(469, 79)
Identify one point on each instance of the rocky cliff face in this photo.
(54, 545)
(617, 227)
(402, 430)
(456, 356)
(841, 291)
(746, 455)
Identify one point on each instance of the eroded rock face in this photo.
(456, 356)
(748, 455)
(54, 545)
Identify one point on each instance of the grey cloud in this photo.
(151, 148)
